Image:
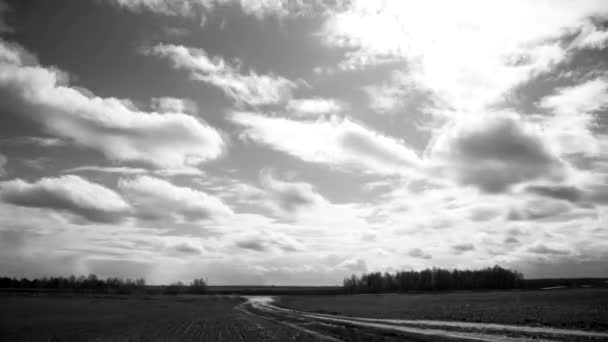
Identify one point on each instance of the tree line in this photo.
(435, 279)
(92, 283)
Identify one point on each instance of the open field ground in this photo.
(416, 317)
(563, 308)
(113, 318)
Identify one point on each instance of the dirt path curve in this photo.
(333, 327)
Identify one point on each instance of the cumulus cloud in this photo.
(495, 152)
(290, 198)
(590, 37)
(268, 241)
(185, 248)
(463, 247)
(250, 88)
(573, 121)
(174, 105)
(192, 8)
(157, 199)
(110, 125)
(419, 254)
(543, 249)
(538, 209)
(313, 107)
(565, 192)
(335, 142)
(191, 171)
(71, 194)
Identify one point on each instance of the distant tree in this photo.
(198, 286)
(435, 279)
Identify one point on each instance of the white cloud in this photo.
(469, 54)
(110, 125)
(190, 8)
(583, 98)
(590, 38)
(335, 142)
(571, 126)
(106, 169)
(313, 107)
(250, 88)
(68, 193)
(157, 199)
(174, 105)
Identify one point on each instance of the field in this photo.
(217, 318)
(564, 308)
(115, 318)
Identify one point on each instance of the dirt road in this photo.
(342, 328)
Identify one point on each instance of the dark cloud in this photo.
(542, 249)
(252, 244)
(420, 254)
(290, 198)
(511, 240)
(539, 209)
(501, 153)
(185, 248)
(3, 162)
(267, 241)
(569, 193)
(463, 247)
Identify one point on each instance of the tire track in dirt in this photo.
(414, 329)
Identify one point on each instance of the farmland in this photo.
(569, 308)
(122, 318)
(574, 314)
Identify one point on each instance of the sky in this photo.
(298, 142)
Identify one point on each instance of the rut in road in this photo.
(334, 327)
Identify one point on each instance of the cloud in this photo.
(352, 265)
(395, 94)
(3, 162)
(590, 96)
(267, 241)
(590, 37)
(494, 152)
(185, 248)
(193, 8)
(290, 198)
(4, 27)
(543, 249)
(69, 193)
(174, 105)
(569, 193)
(248, 88)
(469, 55)
(573, 121)
(112, 126)
(419, 254)
(191, 171)
(157, 199)
(462, 248)
(539, 209)
(313, 107)
(335, 142)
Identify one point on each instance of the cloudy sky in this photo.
(298, 142)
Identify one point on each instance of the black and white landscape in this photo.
(273, 170)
